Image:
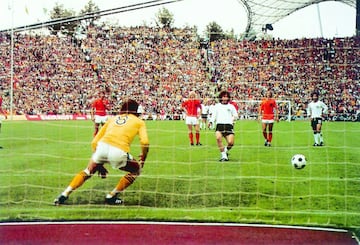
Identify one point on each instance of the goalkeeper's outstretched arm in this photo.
(144, 153)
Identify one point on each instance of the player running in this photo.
(2, 114)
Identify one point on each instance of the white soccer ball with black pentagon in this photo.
(298, 161)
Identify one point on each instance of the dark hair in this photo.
(223, 93)
(130, 106)
(315, 93)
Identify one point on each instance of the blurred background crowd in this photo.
(159, 67)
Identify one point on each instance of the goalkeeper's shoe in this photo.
(224, 159)
(60, 200)
(113, 201)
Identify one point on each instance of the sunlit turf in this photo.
(187, 183)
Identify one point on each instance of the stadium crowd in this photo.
(158, 67)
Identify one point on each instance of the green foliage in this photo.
(164, 18)
(214, 32)
(187, 183)
(90, 7)
(59, 12)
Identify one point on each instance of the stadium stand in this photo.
(59, 75)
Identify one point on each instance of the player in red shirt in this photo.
(192, 108)
(234, 104)
(268, 113)
(2, 114)
(99, 108)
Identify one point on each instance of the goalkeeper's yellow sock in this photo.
(124, 183)
(76, 182)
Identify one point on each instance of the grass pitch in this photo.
(187, 183)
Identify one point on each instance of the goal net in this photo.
(49, 83)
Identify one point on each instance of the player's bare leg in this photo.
(230, 143)
(221, 147)
(319, 135)
(270, 134)
(0, 132)
(264, 132)
(96, 128)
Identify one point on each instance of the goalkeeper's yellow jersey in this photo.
(120, 131)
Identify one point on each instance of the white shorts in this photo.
(106, 153)
(100, 119)
(189, 120)
(267, 121)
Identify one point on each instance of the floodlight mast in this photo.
(357, 18)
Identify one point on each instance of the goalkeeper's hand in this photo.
(101, 170)
(141, 160)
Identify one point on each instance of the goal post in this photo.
(248, 109)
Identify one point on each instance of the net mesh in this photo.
(158, 67)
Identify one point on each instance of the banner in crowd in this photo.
(56, 117)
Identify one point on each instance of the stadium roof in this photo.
(260, 12)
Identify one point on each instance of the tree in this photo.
(58, 13)
(164, 18)
(231, 34)
(90, 7)
(214, 32)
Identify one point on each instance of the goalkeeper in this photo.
(112, 145)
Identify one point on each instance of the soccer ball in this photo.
(298, 161)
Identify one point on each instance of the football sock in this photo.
(270, 137)
(197, 135)
(321, 137)
(315, 138)
(67, 191)
(124, 182)
(191, 138)
(76, 182)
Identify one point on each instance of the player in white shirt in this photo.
(224, 116)
(204, 115)
(315, 110)
(211, 124)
